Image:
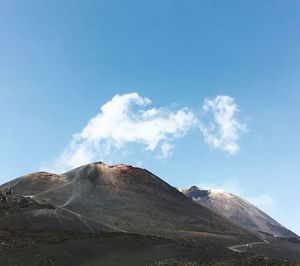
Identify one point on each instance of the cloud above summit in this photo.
(125, 120)
(224, 130)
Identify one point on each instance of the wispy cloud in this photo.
(125, 119)
(224, 130)
(121, 121)
(166, 150)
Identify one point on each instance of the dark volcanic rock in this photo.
(10, 201)
(25, 213)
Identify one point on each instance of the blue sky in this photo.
(60, 61)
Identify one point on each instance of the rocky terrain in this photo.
(122, 215)
(118, 249)
(251, 260)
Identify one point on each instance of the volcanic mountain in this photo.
(122, 215)
(98, 197)
(238, 210)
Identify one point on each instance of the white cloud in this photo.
(125, 120)
(166, 149)
(118, 124)
(224, 131)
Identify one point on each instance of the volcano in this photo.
(98, 197)
(238, 210)
(99, 214)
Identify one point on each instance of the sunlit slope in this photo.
(238, 211)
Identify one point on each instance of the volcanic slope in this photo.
(121, 198)
(238, 211)
(24, 213)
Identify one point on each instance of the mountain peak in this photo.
(237, 210)
(193, 188)
(121, 165)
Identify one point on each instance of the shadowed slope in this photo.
(24, 213)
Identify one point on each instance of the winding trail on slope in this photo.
(236, 248)
(81, 218)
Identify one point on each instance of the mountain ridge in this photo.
(238, 210)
